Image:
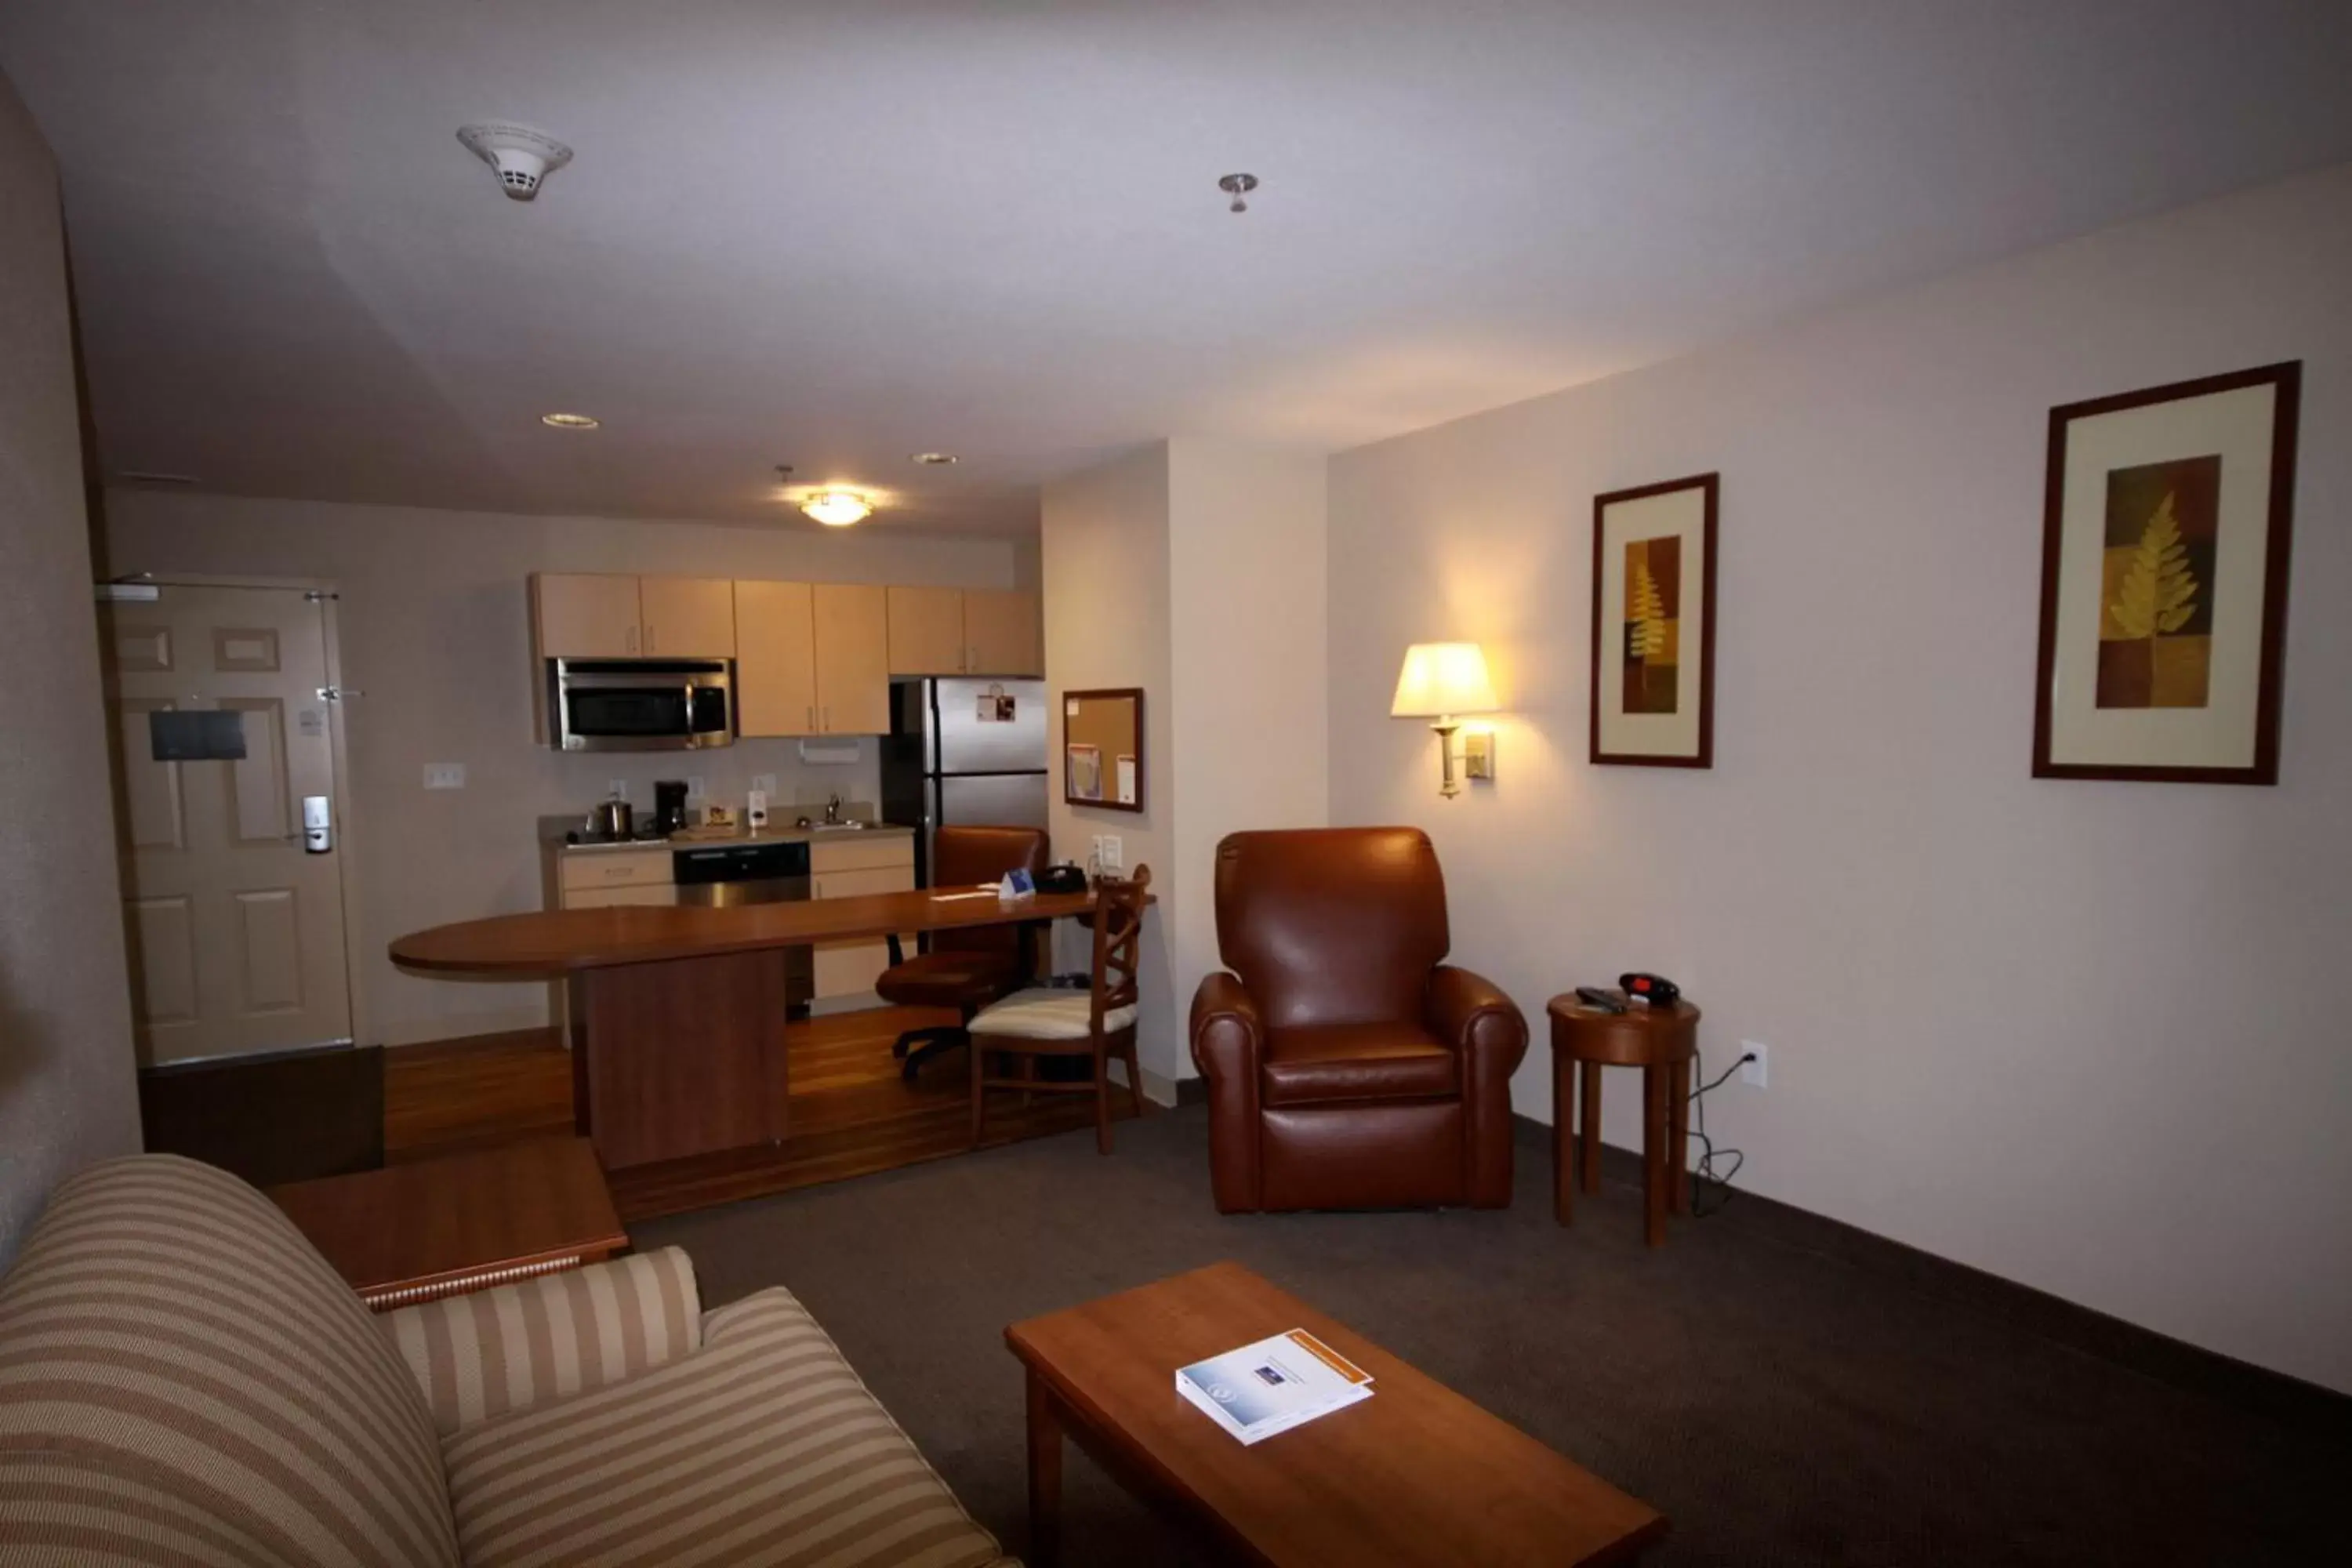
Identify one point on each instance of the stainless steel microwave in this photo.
(640, 704)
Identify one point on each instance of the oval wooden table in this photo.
(1661, 1041)
(678, 1011)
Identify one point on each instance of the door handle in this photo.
(828, 719)
(652, 642)
(812, 718)
(632, 642)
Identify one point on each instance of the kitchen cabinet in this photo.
(775, 660)
(853, 659)
(584, 615)
(1004, 632)
(811, 659)
(927, 631)
(686, 617)
(849, 870)
(598, 614)
(959, 631)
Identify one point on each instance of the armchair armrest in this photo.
(1227, 1035)
(1471, 1014)
(494, 1353)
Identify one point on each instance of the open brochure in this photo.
(1274, 1385)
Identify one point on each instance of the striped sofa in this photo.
(183, 1379)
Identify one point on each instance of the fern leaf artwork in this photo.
(2158, 595)
(1646, 613)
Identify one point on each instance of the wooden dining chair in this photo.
(1099, 1022)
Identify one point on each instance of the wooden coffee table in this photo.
(415, 1232)
(1416, 1474)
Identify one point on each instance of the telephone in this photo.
(1655, 989)
(1061, 879)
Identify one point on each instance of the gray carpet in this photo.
(1785, 1390)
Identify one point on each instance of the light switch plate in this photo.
(445, 775)
(765, 784)
(693, 790)
(1113, 858)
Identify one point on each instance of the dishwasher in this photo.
(724, 876)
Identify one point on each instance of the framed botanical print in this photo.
(1654, 624)
(2164, 535)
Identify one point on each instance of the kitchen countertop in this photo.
(553, 828)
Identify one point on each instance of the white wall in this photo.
(67, 1092)
(2086, 1036)
(436, 633)
(1103, 543)
(1248, 664)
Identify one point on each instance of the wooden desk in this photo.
(678, 1011)
(1416, 1475)
(465, 1222)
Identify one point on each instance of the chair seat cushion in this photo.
(1333, 1062)
(948, 980)
(1038, 1013)
(762, 1449)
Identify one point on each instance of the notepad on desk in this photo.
(1274, 1385)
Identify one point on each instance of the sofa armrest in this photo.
(1227, 1037)
(1471, 1014)
(494, 1353)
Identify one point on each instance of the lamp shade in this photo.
(1441, 679)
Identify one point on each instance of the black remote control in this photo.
(1603, 1001)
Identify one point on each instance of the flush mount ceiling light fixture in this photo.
(836, 508)
(935, 460)
(1238, 186)
(571, 421)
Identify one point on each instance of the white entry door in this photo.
(236, 926)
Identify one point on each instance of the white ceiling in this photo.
(835, 235)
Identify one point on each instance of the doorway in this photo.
(222, 700)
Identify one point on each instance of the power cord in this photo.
(1709, 1153)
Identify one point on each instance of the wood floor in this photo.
(850, 1112)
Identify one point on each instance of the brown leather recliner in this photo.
(967, 969)
(1348, 1066)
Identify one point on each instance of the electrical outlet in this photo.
(1111, 853)
(445, 775)
(693, 790)
(616, 789)
(765, 784)
(1753, 1071)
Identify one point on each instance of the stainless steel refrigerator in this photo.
(964, 753)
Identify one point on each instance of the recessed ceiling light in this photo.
(935, 460)
(837, 508)
(571, 421)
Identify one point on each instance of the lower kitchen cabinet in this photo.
(849, 870)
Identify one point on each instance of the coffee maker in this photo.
(669, 804)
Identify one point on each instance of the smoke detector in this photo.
(521, 156)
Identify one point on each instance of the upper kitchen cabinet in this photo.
(1005, 632)
(811, 660)
(927, 631)
(581, 615)
(775, 660)
(957, 631)
(853, 659)
(688, 617)
(596, 615)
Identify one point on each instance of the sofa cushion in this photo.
(481, 1355)
(1331, 1063)
(762, 1449)
(184, 1379)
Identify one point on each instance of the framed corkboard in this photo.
(1102, 748)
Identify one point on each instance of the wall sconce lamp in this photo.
(1440, 682)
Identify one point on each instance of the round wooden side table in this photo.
(1661, 1041)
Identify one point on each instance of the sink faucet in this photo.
(833, 810)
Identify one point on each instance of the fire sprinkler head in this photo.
(520, 156)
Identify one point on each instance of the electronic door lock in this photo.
(318, 825)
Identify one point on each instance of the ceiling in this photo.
(835, 235)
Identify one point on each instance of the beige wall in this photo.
(1103, 541)
(1248, 664)
(435, 634)
(2086, 1036)
(67, 1091)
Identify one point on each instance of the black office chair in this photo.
(966, 970)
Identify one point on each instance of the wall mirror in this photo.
(1102, 748)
